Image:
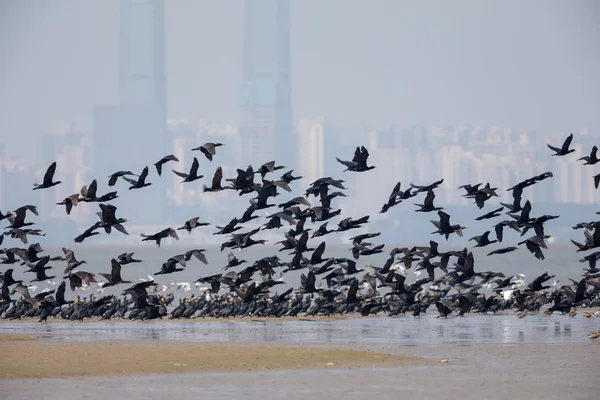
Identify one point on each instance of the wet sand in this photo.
(25, 357)
(535, 371)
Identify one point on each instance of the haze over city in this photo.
(464, 90)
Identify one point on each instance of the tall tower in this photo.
(142, 78)
(264, 94)
(133, 134)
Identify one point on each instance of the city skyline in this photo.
(368, 72)
(151, 111)
(442, 154)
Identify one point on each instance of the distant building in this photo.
(133, 134)
(264, 95)
(311, 150)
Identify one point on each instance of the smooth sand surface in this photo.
(491, 372)
(24, 357)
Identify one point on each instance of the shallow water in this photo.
(403, 331)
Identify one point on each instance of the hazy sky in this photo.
(525, 64)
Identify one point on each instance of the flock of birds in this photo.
(451, 286)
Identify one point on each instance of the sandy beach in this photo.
(24, 356)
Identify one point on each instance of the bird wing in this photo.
(429, 198)
(567, 143)
(91, 190)
(50, 173)
(210, 147)
(143, 175)
(348, 164)
(115, 271)
(555, 149)
(173, 234)
(194, 168)
(216, 181)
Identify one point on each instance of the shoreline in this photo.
(332, 318)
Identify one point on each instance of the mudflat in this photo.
(26, 357)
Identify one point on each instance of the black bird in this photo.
(157, 237)
(127, 258)
(444, 227)
(208, 149)
(470, 189)
(69, 202)
(393, 199)
(498, 228)
(231, 227)
(198, 254)
(359, 161)
(89, 194)
(535, 244)
(91, 231)
(491, 214)
(592, 158)
(288, 177)
(216, 182)
(348, 223)
(17, 218)
(268, 167)
(192, 223)
(163, 161)
(114, 177)
(484, 194)
(426, 188)
(233, 261)
(483, 240)
(596, 181)
(564, 150)
(427, 205)
(516, 205)
(109, 219)
(443, 309)
(72, 262)
(170, 266)
(48, 183)
(503, 250)
(7, 278)
(114, 278)
(193, 175)
(141, 181)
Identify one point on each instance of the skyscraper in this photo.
(142, 78)
(264, 94)
(133, 134)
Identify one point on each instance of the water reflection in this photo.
(440, 331)
(402, 331)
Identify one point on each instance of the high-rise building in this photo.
(311, 149)
(264, 94)
(133, 133)
(142, 78)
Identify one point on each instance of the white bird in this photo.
(506, 294)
